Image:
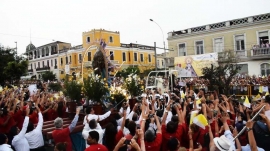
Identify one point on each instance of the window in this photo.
(162, 63)
(158, 63)
(43, 64)
(265, 69)
(111, 55)
(47, 51)
(218, 44)
(69, 59)
(51, 62)
(48, 63)
(135, 57)
(263, 37)
(62, 72)
(88, 39)
(149, 58)
(75, 59)
(182, 50)
(129, 56)
(141, 56)
(199, 47)
(55, 62)
(80, 57)
(31, 66)
(38, 65)
(124, 56)
(111, 39)
(61, 61)
(35, 65)
(66, 60)
(89, 56)
(239, 42)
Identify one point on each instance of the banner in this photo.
(67, 69)
(32, 89)
(191, 66)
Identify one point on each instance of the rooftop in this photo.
(101, 30)
(246, 21)
(132, 45)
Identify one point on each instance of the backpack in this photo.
(262, 136)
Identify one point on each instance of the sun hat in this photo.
(222, 143)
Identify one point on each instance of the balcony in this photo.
(114, 61)
(30, 70)
(231, 55)
(87, 64)
(53, 52)
(30, 58)
(260, 53)
(170, 62)
(55, 67)
(43, 68)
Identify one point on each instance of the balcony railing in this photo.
(231, 55)
(53, 52)
(87, 64)
(260, 52)
(30, 70)
(43, 68)
(55, 67)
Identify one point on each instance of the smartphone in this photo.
(127, 142)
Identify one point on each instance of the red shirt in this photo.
(118, 136)
(62, 135)
(96, 147)
(51, 114)
(33, 118)
(200, 136)
(155, 145)
(10, 123)
(166, 136)
(19, 118)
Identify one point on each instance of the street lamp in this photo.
(163, 46)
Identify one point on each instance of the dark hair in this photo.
(175, 119)
(149, 136)
(132, 127)
(267, 99)
(135, 117)
(88, 110)
(94, 135)
(12, 132)
(3, 139)
(171, 127)
(30, 127)
(92, 124)
(172, 144)
(109, 136)
(61, 146)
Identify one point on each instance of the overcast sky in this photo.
(65, 20)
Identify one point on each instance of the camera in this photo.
(151, 116)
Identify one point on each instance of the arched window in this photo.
(265, 69)
(88, 39)
(43, 52)
(111, 39)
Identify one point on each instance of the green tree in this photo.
(72, 89)
(6, 55)
(15, 69)
(221, 76)
(48, 75)
(127, 71)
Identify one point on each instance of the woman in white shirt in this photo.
(3, 143)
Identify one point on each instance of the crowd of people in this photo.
(160, 120)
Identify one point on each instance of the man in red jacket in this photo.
(61, 134)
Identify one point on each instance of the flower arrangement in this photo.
(134, 85)
(95, 88)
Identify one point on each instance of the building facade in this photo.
(44, 58)
(120, 54)
(246, 38)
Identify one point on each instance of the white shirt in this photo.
(85, 134)
(5, 147)
(19, 142)
(35, 137)
(93, 116)
(247, 148)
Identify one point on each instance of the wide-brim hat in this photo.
(222, 143)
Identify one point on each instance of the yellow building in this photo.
(239, 36)
(119, 54)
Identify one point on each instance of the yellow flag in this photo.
(192, 115)
(267, 93)
(260, 89)
(200, 121)
(246, 103)
(182, 95)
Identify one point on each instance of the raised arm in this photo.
(252, 141)
(104, 116)
(24, 128)
(74, 121)
(40, 119)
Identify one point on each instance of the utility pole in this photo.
(16, 51)
(155, 49)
